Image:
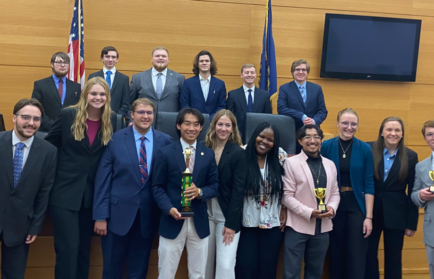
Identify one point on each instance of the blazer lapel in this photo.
(115, 82)
(242, 99)
(329, 180)
(394, 170)
(179, 157)
(294, 88)
(52, 86)
(169, 78)
(198, 159)
(7, 155)
(70, 94)
(148, 79)
(225, 155)
(211, 90)
(131, 147)
(309, 177)
(31, 160)
(199, 88)
(256, 101)
(381, 170)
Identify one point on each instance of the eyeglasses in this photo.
(315, 138)
(346, 124)
(143, 112)
(61, 63)
(429, 135)
(300, 70)
(25, 117)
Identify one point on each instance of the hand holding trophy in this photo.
(431, 175)
(187, 178)
(320, 194)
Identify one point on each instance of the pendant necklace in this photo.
(344, 151)
(319, 172)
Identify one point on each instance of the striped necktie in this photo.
(18, 162)
(143, 161)
(191, 165)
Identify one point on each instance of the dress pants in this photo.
(226, 254)
(258, 252)
(393, 243)
(170, 250)
(312, 247)
(132, 248)
(348, 247)
(73, 232)
(13, 260)
(430, 256)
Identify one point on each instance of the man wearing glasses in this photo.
(56, 92)
(27, 171)
(302, 100)
(124, 210)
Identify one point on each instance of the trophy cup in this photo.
(431, 175)
(186, 208)
(320, 194)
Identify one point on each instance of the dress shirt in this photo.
(303, 86)
(112, 76)
(28, 143)
(155, 77)
(388, 161)
(204, 83)
(56, 81)
(184, 146)
(149, 144)
(246, 92)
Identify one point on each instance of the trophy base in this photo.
(322, 208)
(187, 211)
(431, 189)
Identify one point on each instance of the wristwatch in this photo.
(200, 193)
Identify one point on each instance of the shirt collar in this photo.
(56, 79)
(386, 152)
(112, 70)
(208, 79)
(149, 135)
(303, 85)
(246, 88)
(184, 144)
(155, 72)
(28, 142)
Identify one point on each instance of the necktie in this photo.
(303, 94)
(191, 165)
(250, 100)
(60, 89)
(159, 88)
(143, 161)
(108, 79)
(18, 162)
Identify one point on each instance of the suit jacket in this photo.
(77, 163)
(22, 208)
(192, 96)
(232, 171)
(421, 181)
(291, 103)
(118, 187)
(46, 92)
(166, 187)
(237, 103)
(119, 93)
(142, 87)
(299, 197)
(399, 212)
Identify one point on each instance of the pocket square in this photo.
(214, 92)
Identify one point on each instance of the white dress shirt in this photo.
(155, 77)
(204, 83)
(112, 76)
(28, 143)
(246, 92)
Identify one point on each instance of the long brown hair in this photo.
(79, 125)
(213, 67)
(210, 135)
(378, 147)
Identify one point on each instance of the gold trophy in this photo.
(320, 194)
(186, 207)
(431, 175)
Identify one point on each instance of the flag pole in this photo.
(79, 41)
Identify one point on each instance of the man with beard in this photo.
(56, 92)
(159, 84)
(27, 172)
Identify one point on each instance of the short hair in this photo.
(301, 133)
(142, 101)
(247, 66)
(62, 55)
(213, 68)
(106, 50)
(28, 102)
(183, 112)
(159, 48)
(297, 63)
(347, 110)
(427, 124)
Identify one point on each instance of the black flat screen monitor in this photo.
(372, 48)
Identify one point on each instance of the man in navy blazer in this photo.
(247, 98)
(204, 91)
(176, 231)
(302, 100)
(124, 209)
(118, 82)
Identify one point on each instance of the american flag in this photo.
(76, 45)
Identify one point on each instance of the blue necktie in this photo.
(303, 94)
(108, 79)
(18, 162)
(143, 161)
(250, 100)
(159, 88)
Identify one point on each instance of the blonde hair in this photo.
(347, 110)
(235, 136)
(79, 126)
(142, 101)
(160, 48)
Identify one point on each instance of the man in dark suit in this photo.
(121, 179)
(302, 100)
(247, 98)
(204, 91)
(175, 231)
(118, 82)
(27, 172)
(159, 84)
(56, 92)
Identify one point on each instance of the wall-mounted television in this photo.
(370, 48)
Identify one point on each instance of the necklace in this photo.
(313, 173)
(344, 151)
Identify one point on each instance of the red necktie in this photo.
(60, 89)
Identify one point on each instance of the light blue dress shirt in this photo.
(388, 161)
(305, 92)
(149, 144)
(56, 81)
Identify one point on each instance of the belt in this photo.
(346, 189)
